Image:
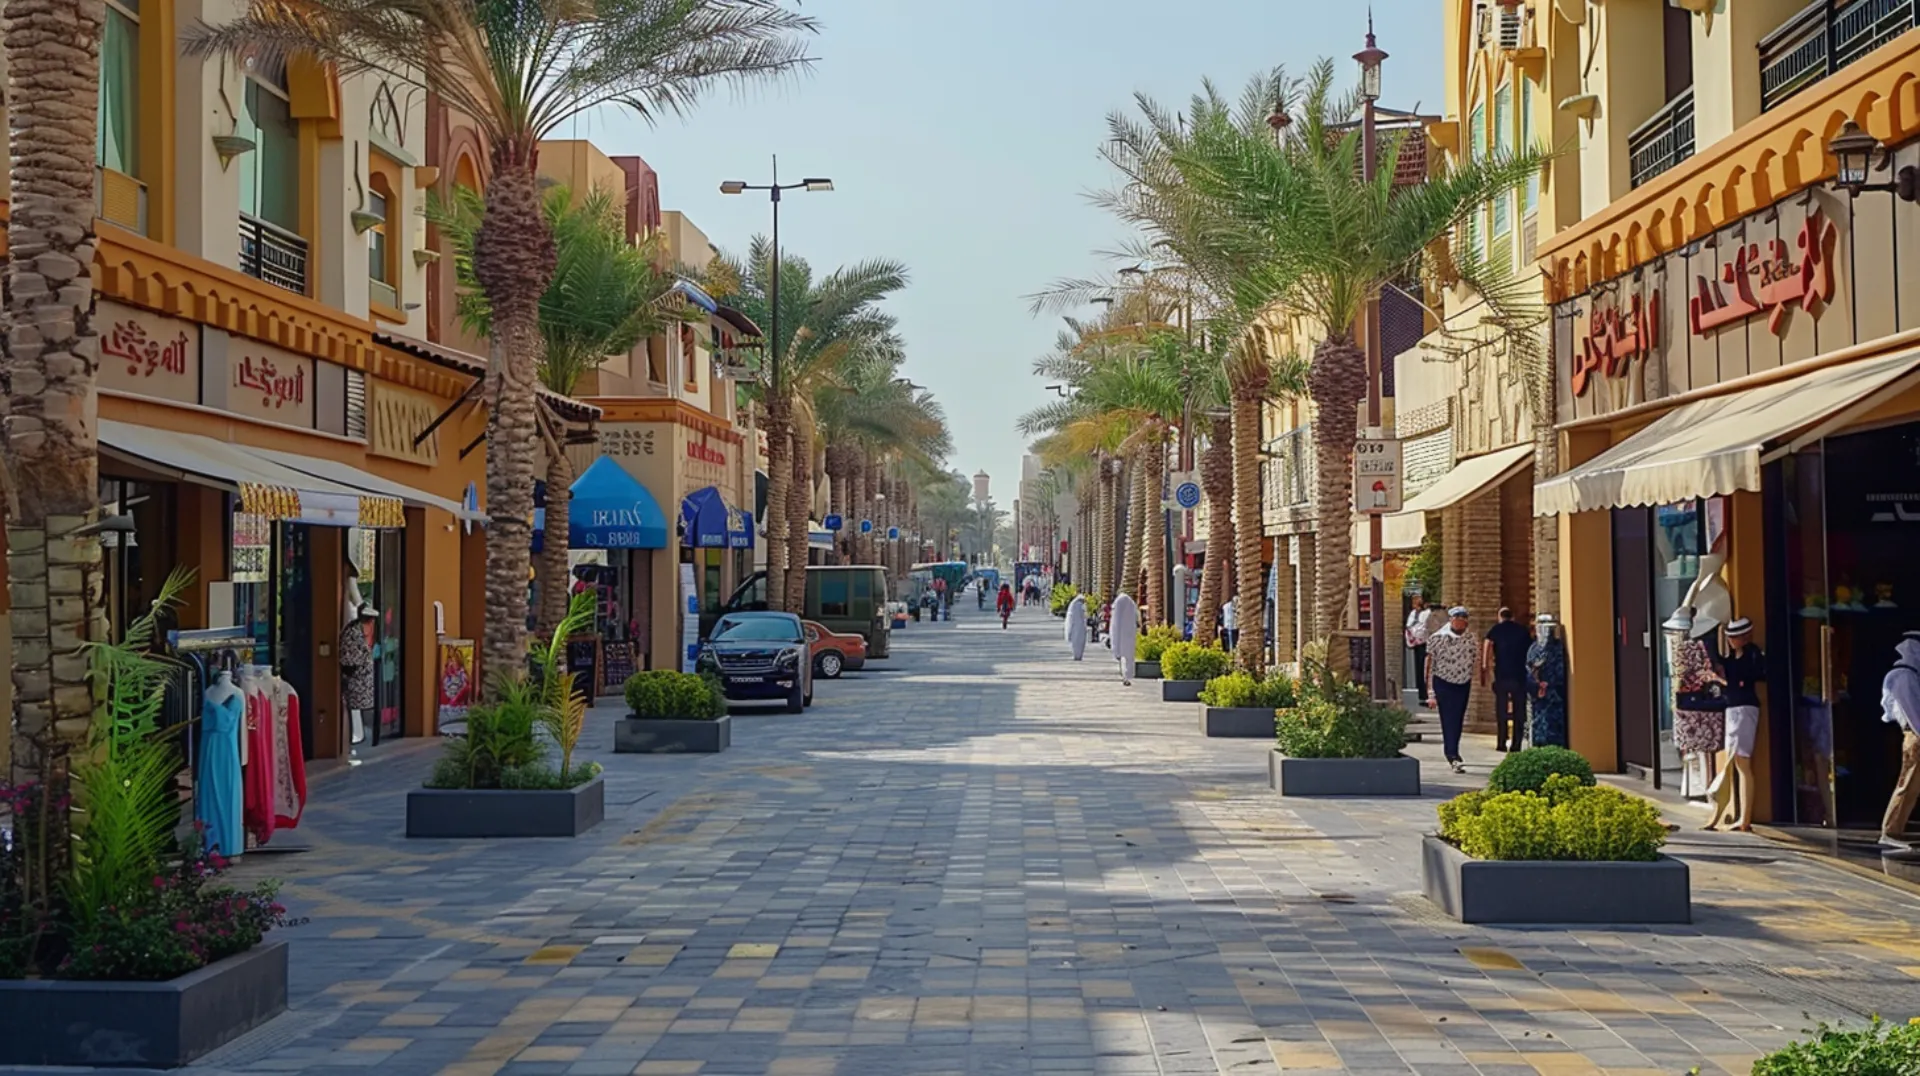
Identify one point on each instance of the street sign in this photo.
(1378, 469)
(866, 526)
(832, 523)
(893, 534)
(1187, 495)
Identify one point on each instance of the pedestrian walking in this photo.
(1744, 668)
(1503, 658)
(1423, 621)
(1123, 633)
(1230, 625)
(1547, 685)
(1900, 707)
(1077, 625)
(1452, 653)
(1004, 604)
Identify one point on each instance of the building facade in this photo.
(1734, 364)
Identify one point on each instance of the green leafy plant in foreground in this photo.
(1879, 1049)
(1061, 597)
(563, 711)
(1152, 644)
(1527, 771)
(1565, 820)
(1241, 690)
(1336, 718)
(665, 694)
(1191, 661)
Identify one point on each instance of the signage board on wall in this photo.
(259, 381)
(456, 680)
(1772, 282)
(396, 416)
(147, 354)
(689, 619)
(1379, 466)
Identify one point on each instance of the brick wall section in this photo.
(1470, 537)
(1516, 546)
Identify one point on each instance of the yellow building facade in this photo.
(1734, 383)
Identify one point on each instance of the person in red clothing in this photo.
(1004, 604)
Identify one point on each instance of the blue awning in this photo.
(704, 520)
(739, 529)
(698, 297)
(612, 510)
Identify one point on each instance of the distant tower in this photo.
(980, 481)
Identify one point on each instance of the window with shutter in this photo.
(357, 404)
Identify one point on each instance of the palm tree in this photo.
(520, 71)
(607, 294)
(1265, 201)
(869, 412)
(830, 325)
(51, 355)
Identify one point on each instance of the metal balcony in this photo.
(1661, 142)
(271, 253)
(1823, 38)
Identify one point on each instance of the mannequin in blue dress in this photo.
(216, 797)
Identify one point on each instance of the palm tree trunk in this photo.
(51, 356)
(555, 577)
(837, 468)
(513, 260)
(799, 508)
(1129, 581)
(1103, 533)
(1216, 481)
(779, 482)
(1249, 393)
(1338, 382)
(857, 509)
(1156, 529)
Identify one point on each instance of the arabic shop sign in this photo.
(1615, 339)
(1771, 283)
(148, 355)
(262, 382)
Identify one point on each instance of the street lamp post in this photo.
(1370, 60)
(774, 386)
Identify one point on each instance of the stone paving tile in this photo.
(982, 858)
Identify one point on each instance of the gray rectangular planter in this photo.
(1397, 776)
(1146, 670)
(1548, 891)
(1238, 722)
(465, 813)
(142, 1025)
(1181, 690)
(665, 736)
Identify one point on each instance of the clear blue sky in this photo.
(962, 139)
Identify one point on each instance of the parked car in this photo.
(834, 652)
(760, 657)
(848, 598)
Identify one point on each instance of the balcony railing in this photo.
(271, 253)
(1823, 38)
(1661, 142)
(1289, 473)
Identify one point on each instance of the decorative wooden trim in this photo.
(662, 409)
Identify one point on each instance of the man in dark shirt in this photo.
(1504, 653)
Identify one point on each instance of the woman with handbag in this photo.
(1743, 668)
(1699, 703)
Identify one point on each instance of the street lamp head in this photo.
(1855, 150)
(817, 184)
(733, 186)
(1370, 59)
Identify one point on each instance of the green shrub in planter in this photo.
(665, 694)
(1879, 1049)
(1527, 771)
(1060, 597)
(1152, 645)
(1240, 690)
(1565, 820)
(1319, 727)
(1190, 661)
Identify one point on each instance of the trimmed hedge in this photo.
(1191, 661)
(665, 694)
(1565, 820)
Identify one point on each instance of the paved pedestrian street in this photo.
(980, 857)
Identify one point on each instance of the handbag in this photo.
(1710, 699)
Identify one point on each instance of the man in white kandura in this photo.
(1077, 625)
(1123, 631)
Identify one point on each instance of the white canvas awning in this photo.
(1717, 446)
(1407, 528)
(349, 475)
(265, 486)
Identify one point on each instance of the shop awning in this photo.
(705, 521)
(266, 486)
(612, 510)
(349, 475)
(1407, 528)
(696, 295)
(1716, 446)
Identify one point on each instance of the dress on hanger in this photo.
(260, 761)
(216, 794)
(289, 767)
(356, 668)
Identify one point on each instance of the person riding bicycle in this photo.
(1004, 604)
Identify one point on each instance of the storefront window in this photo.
(1798, 534)
(377, 556)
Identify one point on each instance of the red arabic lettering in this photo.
(275, 388)
(1773, 283)
(706, 455)
(1614, 340)
(128, 340)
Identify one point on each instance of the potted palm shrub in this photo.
(1186, 667)
(1149, 649)
(127, 952)
(1241, 707)
(1544, 844)
(497, 780)
(1337, 741)
(673, 712)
